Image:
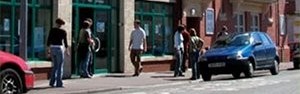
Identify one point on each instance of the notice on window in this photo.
(39, 38)
(100, 27)
(6, 24)
(146, 28)
(210, 21)
(296, 36)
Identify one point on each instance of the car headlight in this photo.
(237, 56)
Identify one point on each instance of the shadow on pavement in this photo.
(178, 79)
(162, 77)
(242, 77)
(290, 69)
(118, 75)
(41, 88)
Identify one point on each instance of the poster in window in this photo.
(38, 39)
(210, 21)
(146, 28)
(100, 27)
(282, 24)
(6, 24)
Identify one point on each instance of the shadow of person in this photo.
(119, 75)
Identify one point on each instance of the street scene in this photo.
(149, 46)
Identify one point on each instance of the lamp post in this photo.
(23, 30)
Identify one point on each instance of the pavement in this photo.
(119, 81)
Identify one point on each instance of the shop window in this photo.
(156, 19)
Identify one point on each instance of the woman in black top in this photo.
(56, 36)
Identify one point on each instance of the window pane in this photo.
(41, 30)
(147, 7)
(147, 25)
(241, 29)
(5, 28)
(168, 42)
(138, 6)
(158, 36)
(158, 8)
(44, 2)
(241, 19)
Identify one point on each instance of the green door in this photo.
(105, 28)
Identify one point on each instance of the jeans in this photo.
(85, 59)
(194, 64)
(57, 56)
(178, 64)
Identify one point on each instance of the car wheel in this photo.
(249, 70)
(236, 74)
(275, 69)
(10, 82)
(206, 76)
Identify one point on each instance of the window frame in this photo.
(238, 19)
(253, 26)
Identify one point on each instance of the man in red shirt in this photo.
(186, 41)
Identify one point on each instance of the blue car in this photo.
(240, 53)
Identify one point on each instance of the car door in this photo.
(269, 47)
(259, 51)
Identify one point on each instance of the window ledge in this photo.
(157, 58)
(39, 64)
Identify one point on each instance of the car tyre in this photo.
(275, 69)
(296, 62)
(249, 70)
(10, 82)
(236, 75)
(206, 76)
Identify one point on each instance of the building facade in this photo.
(113, 23)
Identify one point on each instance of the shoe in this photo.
(60, 87)
(141, 69)
(51, 85)
(193, 78)
(181, 75)
(135, 75)
(88, 76)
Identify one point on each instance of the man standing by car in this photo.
(186, 42)
(137, 46)
(179, 49)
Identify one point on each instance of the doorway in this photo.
(106, 58)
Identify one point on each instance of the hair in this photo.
(86, 24)
(193, 32)
(224, 28)
(89, 19)
(180, 28)
(59, 21)
(137, 22)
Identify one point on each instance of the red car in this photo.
(16, 76)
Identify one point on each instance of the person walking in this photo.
(179, 49)
(195, 47)
(137, 45)
(84, 49)
(56, 36)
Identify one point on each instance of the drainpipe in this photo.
(23, 31)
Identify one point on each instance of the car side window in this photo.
(265, 40)
(257, 37)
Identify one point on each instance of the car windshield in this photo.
(234, 40)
